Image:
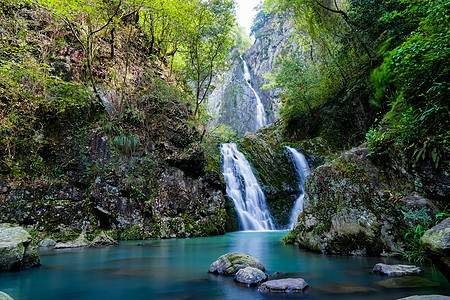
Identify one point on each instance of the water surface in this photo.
(177, 269)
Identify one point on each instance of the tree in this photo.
(205, 44)
(86, 20)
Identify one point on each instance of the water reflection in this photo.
(177, 269)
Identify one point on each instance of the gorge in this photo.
(321, 149)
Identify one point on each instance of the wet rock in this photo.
(288, 285)
(250, 276)
(406, 282)
(4, 296)
(358, 217)
(47, 243)
(103, 240)
(396, 270)
(16, 249)
(78, 243)
(231, 263)
(426, 297)
(436, 243)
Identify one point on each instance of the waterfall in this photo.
(302, 170)
(244, 189)
(260, 112)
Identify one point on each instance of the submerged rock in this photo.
(288, 285)
(346, 288)
(426, 297)
(406, 282)
(4, 296)
(16, 249)
(231, 263)
(396, 270)
(436, 243)
(250, 276)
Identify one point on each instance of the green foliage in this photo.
(241, 40)
(125, 144)
(416, 72)
(32, 102)
(289, 238)
(205, 44)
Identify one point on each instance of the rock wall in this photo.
(129, 159)
(353, 207)
(232, 102)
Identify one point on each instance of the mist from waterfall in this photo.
(261, 119)
(302, 169)
(243, 188)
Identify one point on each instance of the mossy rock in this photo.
(231, 263)
(436, 243)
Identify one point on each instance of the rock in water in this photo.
(103, 240)
(288, 285)
(231, 263)
(406, 282)
(396, 270)
(4, 296)
(250, 276)
(426, 297)
(436, 243)
(47, 243)
(78, 243)
(16, 249)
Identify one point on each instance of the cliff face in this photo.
(133, 162)
(232, 102)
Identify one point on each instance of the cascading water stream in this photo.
(244, 189)
(260, 112)
(302, 170)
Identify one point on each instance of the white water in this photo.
(244, 189)
(302, 170)
(260, 112)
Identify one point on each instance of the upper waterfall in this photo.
(261, 119)
(302, 170)
(245, 191)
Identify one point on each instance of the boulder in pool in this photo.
(436, 243)
(250, 276)
(78, 243)
(396, 270)
(47, 243)
(231, 263)
(16, 249)
(4, 296)
(288, 285)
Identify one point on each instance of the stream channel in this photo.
(177, 269)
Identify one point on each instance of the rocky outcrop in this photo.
(274, 170)
(250, 276)
(232, 102)
(130, 160)
(16, 249)
(436, 243)
(231, 263)
(396, 270)
(352, 207)
(288, 285)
